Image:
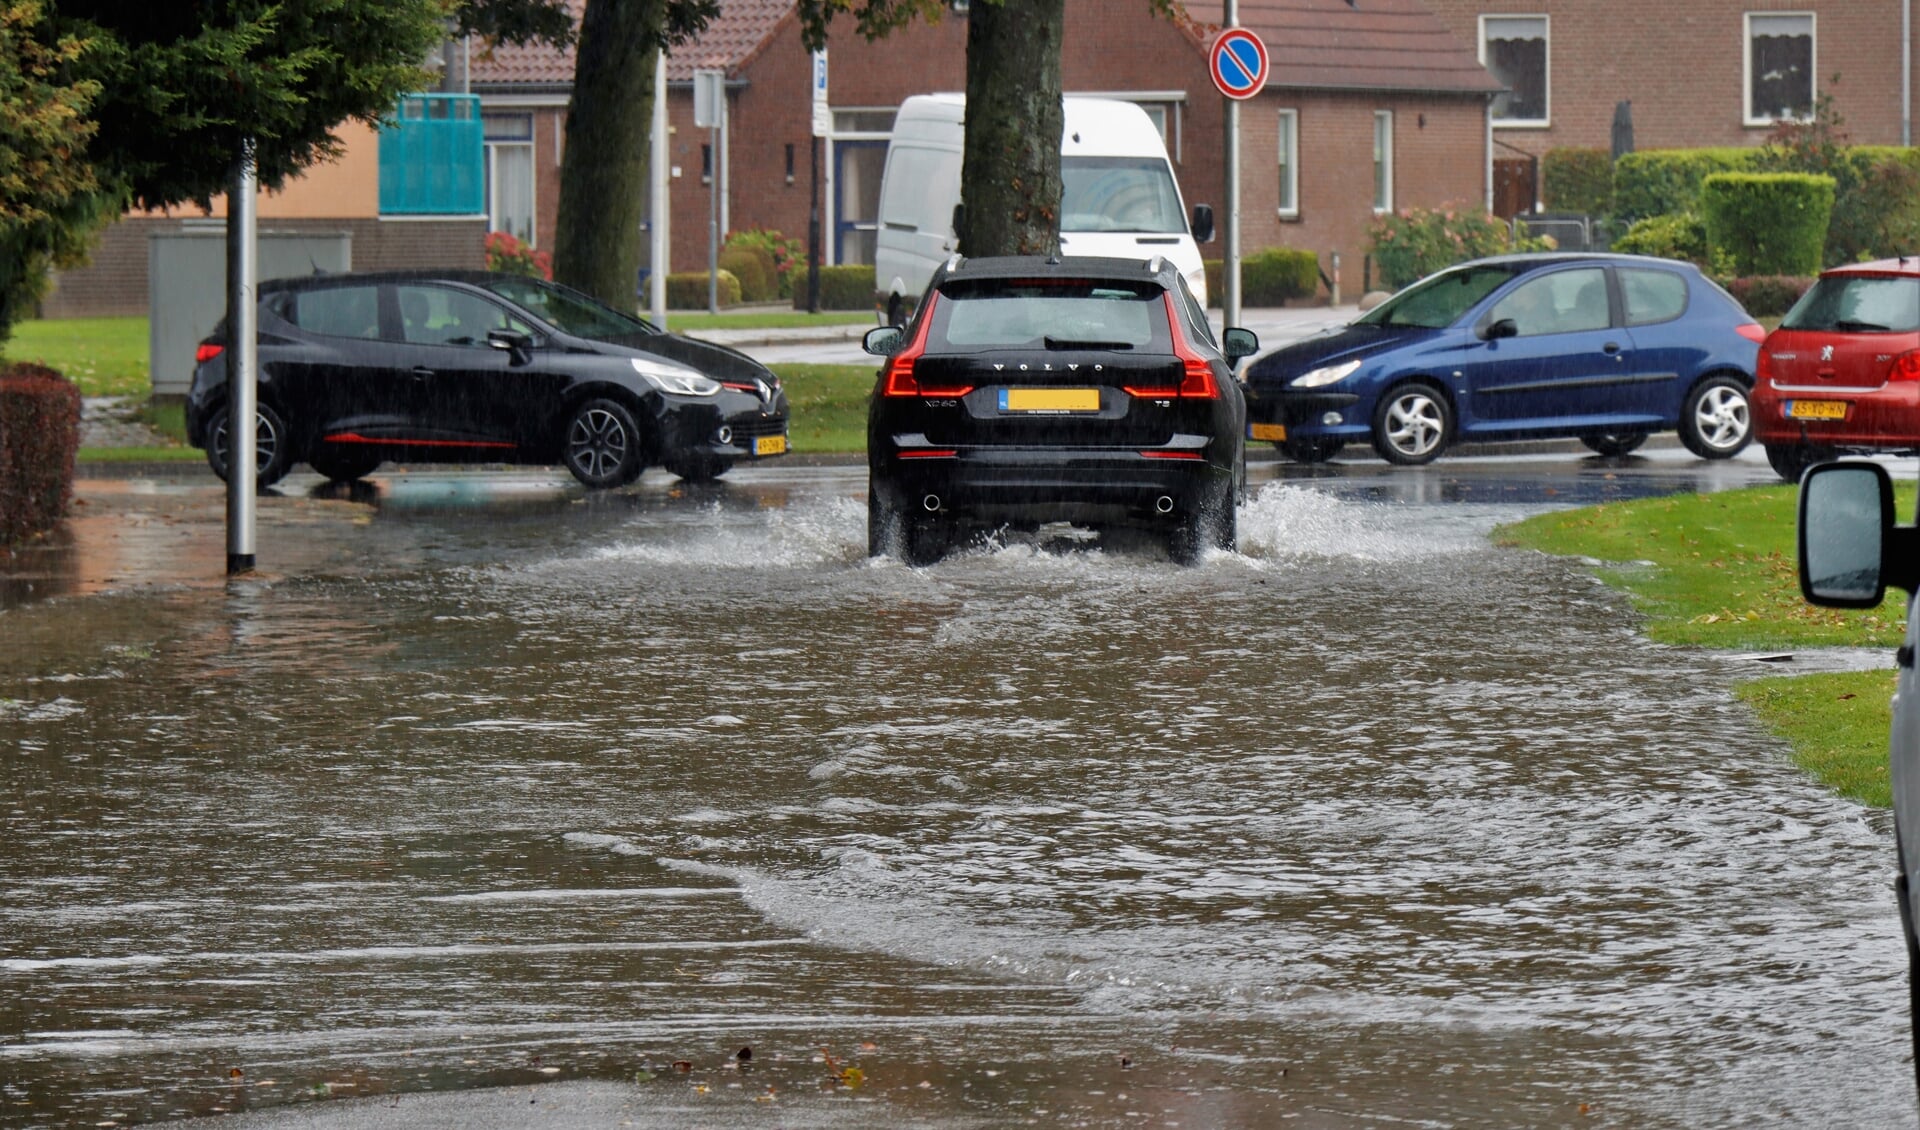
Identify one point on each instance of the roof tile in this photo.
(740, 28)
(1364, 45)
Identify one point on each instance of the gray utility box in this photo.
(187, 287)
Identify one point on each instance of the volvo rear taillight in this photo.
(208, 351)
(1906, 367)
(1196, 372)
(901, 380)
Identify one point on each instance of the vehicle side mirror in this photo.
(1505, 327)
(1236, 343)
(883, 341)
(517, 344)
(959, 217)
(1202, 223)
(1850, 550)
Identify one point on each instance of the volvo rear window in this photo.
(1858, 304)
(1050, 313)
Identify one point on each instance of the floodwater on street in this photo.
(1370, 823)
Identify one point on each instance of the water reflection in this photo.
(1370, 822)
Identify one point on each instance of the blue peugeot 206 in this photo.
(1605, 349)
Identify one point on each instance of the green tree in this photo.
(50, 200)
(603, 171)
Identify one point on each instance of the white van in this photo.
(1121, 199)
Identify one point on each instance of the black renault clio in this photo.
(1030, 390)
(467, 366)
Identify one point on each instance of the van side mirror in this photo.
(519, 346)
(1202, 226)
(959, 217)
(883, 341)
(1850, 551)
(1236, 343)
(1505, 327)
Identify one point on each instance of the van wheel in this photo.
(896, 310)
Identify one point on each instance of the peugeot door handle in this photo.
(421, 373)
(1611, 347)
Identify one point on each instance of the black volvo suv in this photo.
(1030, 390)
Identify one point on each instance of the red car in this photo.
(1842, 373)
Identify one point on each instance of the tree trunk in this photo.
(1010, 172)
(603, 173)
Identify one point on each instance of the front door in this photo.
(1566, 364)
(465, 392)
(857, 170)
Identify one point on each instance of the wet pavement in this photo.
(483, 785)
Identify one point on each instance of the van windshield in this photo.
(1131, 194)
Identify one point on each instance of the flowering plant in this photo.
(510, 256)
(1412, 243)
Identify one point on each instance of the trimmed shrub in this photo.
(39, 437)
(753, 266)
(788, 257)
(1659, 182)
(1217, 282)
(1876, 204)
(1767, 223)
(848, 287)
(1577, 180)
(1679, 236)
(688, 290)
(1768, 296)
(1272, 276)
(1415, 242)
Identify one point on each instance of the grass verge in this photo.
(681, 320)
(828, 404)
(104, 356)
(1718, 570)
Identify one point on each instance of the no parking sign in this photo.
(1238, 62)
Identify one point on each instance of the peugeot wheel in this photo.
(603, 445)
(270, 460)
(1791, 460)
(1411, 425)
(1615, 443)
(1716, 422)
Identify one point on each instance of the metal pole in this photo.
(657, 252)
(1230, 268)
(1906, 76)
(242, 390)
(813, 230)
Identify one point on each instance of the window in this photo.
(1652, 296)
(1383, 160)
(1132, 194)
(1780, 66)
(1514, 49)
(1858, 304)
(341, 311)
(434, 315)
(706, 164)
(1007, 313)
(509, 141)
(1562, 302)
(1289, 162)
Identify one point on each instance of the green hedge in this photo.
(1658, 182)
(1768, 296)
(1876, 204)
(1415, 242)
(753, 266)
(848, 287)
(688, 290)
(1274, 275)
(39, 437)
(1577, 180)
(1681, 236)
(1767, 223)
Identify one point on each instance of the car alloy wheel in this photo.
(270, 461)
(1790, 461)
(1411, 425)
(1717, 422)
(603, 445)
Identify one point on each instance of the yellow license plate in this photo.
(1817, 409)
(770, 445)
(1274, 432)
(1049, 400)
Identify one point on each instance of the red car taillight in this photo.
(1763, 369)
(208, 351)
(1906, 367)
(1196, 376)
(901, 380)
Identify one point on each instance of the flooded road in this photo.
(1369, 823)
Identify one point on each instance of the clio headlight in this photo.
(1325, 375)
(675, 378)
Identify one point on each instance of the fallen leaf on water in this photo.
(853, 1077)
(236, 1074)
(683, 1065)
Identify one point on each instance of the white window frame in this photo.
(1382, 162)
(1746, 66)
(1546, 76)
(1287, 124)
(492, 172)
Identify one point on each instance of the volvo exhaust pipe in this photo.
(932, 503)
(1164, 504)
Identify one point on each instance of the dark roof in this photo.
(734, 36)
(1367, 45)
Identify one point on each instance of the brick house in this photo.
(1705, 72)
(1373, 109)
